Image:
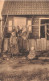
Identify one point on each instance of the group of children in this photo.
(16, 42)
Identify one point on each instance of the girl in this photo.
(14, 43)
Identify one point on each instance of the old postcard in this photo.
(24, 40)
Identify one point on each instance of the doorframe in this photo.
(40, 24)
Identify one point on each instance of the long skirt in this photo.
(14, 47)
(23, 44)
(5, 45)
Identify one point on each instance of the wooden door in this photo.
(44, 33)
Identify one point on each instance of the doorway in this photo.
(44, 28)
(44, 32)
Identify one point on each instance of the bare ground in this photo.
(22, 69)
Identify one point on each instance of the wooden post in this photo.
(46, 34)
(45, 31)
(39, 27)
(0, 27)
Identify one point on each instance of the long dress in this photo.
(14, 44)
(25, 40)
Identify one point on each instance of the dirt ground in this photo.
(22, 69)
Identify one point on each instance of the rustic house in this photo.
(34, 14)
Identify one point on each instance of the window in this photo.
(29, 25)
(10, 25)
(44, 28)
(19, 21)
(48, 31)
(42, 31)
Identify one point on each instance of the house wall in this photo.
(35, 21)
(36, 42)
(36, 27)
(39, 44)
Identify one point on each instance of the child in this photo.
(14, 43)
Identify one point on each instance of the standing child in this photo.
(14, 43)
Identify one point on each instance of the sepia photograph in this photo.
(24, 40)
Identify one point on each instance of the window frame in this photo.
(31, 21)
(10, 19)
(18, 17)
(40, 25)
